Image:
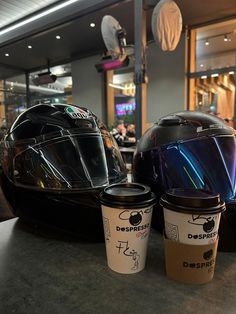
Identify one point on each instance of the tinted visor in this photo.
(206, 163)
(65, 163)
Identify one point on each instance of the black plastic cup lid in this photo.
(195, 201)
(127, 195)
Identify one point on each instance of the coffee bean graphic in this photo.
(209, 226)
(208, 254)
(135, 218)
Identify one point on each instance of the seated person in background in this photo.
(130, 133)
(119, 133)
(130, 130)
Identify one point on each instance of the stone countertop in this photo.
(47, 272)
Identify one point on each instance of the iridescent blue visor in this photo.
(207, 163)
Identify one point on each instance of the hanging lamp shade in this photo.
(167, 24)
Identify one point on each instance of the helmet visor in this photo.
(65, 163)
(203, 163)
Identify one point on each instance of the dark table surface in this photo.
(48, 272)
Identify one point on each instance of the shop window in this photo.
(121, 98)
(212, 70)
(13, 95)
(13, 98)
(58, 92)
(216, 46)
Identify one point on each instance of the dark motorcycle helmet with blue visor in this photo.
(191, 150)
(56, 160)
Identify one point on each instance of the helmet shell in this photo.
(56, 160)
(190, 150)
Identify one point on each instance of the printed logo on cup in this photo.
(208, 254)
(207, 225)
(135, 218)
(208, 264)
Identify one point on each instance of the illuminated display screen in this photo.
(123, 109)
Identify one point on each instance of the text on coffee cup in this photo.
(130, 229)
(199, 265)
(202, 236)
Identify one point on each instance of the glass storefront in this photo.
(215, 46)
(14, 98)
(121, 95)
(213, 70)
(57, 92)
(13, 93)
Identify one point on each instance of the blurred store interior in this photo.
(198, 75)
(53, 52)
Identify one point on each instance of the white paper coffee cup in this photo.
(191, 229)
(127, 213)
(192, 216)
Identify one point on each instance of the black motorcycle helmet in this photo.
(56, 160)
(191, 150)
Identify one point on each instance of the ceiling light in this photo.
(226, 38)
(38, 16)
(30, 47)
(207, 42)
(231, 72)
(58, 37)
(201, 65)
(92, 24)
(37, 88)
(215, 75)
(6, 54)
(203, 77)
(117, 86)
(59, 70)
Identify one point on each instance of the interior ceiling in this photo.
(79, 40)
(13, 10)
